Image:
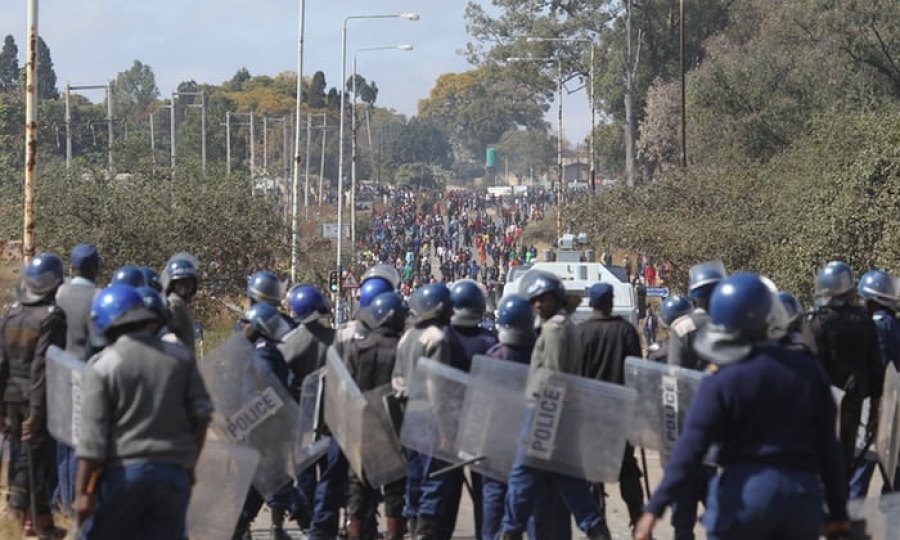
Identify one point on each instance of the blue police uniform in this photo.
(267, 357)
(440, 495)
(544, 523)
(773, 419)
(887, 329)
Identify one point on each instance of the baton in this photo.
(29, 455)
(456, 466)
(89, 490)
(646, 472)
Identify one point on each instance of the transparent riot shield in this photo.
(887, 438)
(492, 415)
(578, 426)
(383, 459)
(664, 394)
(253, 408)
(344, 408)
(63, 395)
(310, 445)
(876, 518)
(436, 396)
(223, 475)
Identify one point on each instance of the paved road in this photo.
(616, 515)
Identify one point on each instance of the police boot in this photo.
(396, 528)
(354, 529)
(600, 532)
(426, 528)
(242, 532)
(47, 530)
(412, 525)
(511, 536)
(277, 532)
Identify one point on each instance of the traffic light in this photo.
(333, 281)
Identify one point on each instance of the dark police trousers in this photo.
(43, 463)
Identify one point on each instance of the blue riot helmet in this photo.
(673, 307)
(266, 321)
(538, 282)
(371, 288)
(178, 270)
(151, 278)
(469, 303)
(879, 287)
(430, 303)
(307, 303)
(389, 310)
(703, 279)
(792, 306)
(834, 283)
(264, 286)
(43, 275)
(515, 321)
(153, 301)
(385, 272)
(129, 275)
(119, 305)
(741, 304)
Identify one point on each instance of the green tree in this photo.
(419, 141)
(236, 84)
(133, 91)
(45, 74)
(9, 65)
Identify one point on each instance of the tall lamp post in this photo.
(353, 140)
(591, 100)
(559, 131)
(340, 179)
(295, 179)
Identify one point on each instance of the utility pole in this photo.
(31, 104)
(306, 181)
(109, 120)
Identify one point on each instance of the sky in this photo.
(91, 41)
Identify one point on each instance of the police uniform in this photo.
(681, 352)
(26, 332)
(606, 342)
(556, 349)
(145, 408)
(682, 332)
(74, 298)
(772, 417)
(845, 341)
(370, 362)
(181, 323)
(440, 495)
(425, 340)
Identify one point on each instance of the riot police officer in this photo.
(179, 282)
(842, 336)
(770, 412)
(556, 349)
(144, 419)
(32, 323)
(879, 295)
(130, 276)
(370, 362)
(673, 308)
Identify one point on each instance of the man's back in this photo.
(75, 299)
(606, 342)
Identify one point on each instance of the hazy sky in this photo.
(209, 40)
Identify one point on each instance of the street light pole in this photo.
(353, 144)
(593, 104)
(681, 57)
(559, 131)
(340, 179)
(295, 184)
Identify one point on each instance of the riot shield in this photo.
(876, 518)
(436, 396)
(664, 394)
(223, 475)
(383, 459)
(309, 444)
(492, 415)
(887, 438)
(63, 395)
(344, 408)
(252, 407)
(578, 426)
